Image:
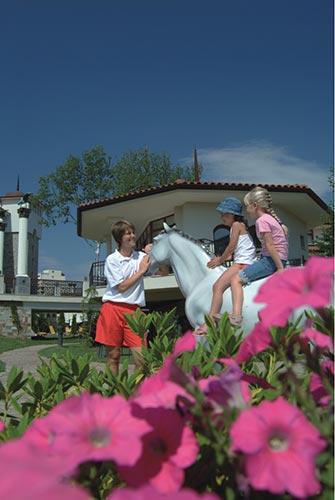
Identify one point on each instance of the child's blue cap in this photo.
(230, 206)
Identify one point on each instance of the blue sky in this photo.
(249, 83)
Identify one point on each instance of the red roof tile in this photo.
(183, 184)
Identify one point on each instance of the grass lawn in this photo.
(10, 343)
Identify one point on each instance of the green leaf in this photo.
(74, 366)
(17, 382)
(38, 390)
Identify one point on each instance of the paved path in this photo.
(27, 359)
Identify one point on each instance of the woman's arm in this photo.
(268, 243)
(129, 282)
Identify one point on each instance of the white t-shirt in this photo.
(245, 251)
(118, 268)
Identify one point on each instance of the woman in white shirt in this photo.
(124, 271)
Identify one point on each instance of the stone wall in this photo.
(7, 324)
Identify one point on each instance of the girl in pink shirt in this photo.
(273, 237)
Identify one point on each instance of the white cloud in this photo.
(259, 162)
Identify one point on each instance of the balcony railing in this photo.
(56, 288)
(97, 278)
(48, 288)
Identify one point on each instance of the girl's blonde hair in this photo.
(263, 199)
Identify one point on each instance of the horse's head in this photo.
(161, 246)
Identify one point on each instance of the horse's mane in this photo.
(196, 242)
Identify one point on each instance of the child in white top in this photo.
(240, 246)
(273, 237)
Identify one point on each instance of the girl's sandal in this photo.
(201, 330)
(235, 320)
(217, 317)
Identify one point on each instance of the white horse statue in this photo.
(188, 260)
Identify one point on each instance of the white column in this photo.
(22, 258)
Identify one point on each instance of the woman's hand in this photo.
(147, 248)
(144, 264)
(215, 262)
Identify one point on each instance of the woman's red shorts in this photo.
(112, 327)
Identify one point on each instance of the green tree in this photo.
(80, 178)
(92, 176)
(142, 168)
(43, 323)
(60, 327)
(74, 326)
(326, 242)
(90, 311)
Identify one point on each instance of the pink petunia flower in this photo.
(57, 491)
(39, 440)
(257, 341)
(185, 343)
(169, 448)
(169, 373)
(25, 473)
(279, 446)
(165, 396)
(150, 493)
(321, 340)
(2, 426)
(227, 389)
(246, 377)
(91, 427)
(294, 288)
(320, 395)
(159, 391)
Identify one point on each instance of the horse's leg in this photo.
(191, 311)
(197, 304)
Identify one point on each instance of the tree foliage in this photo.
(326, 242)
(74, 326)
(142, 169)
(93, 176)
